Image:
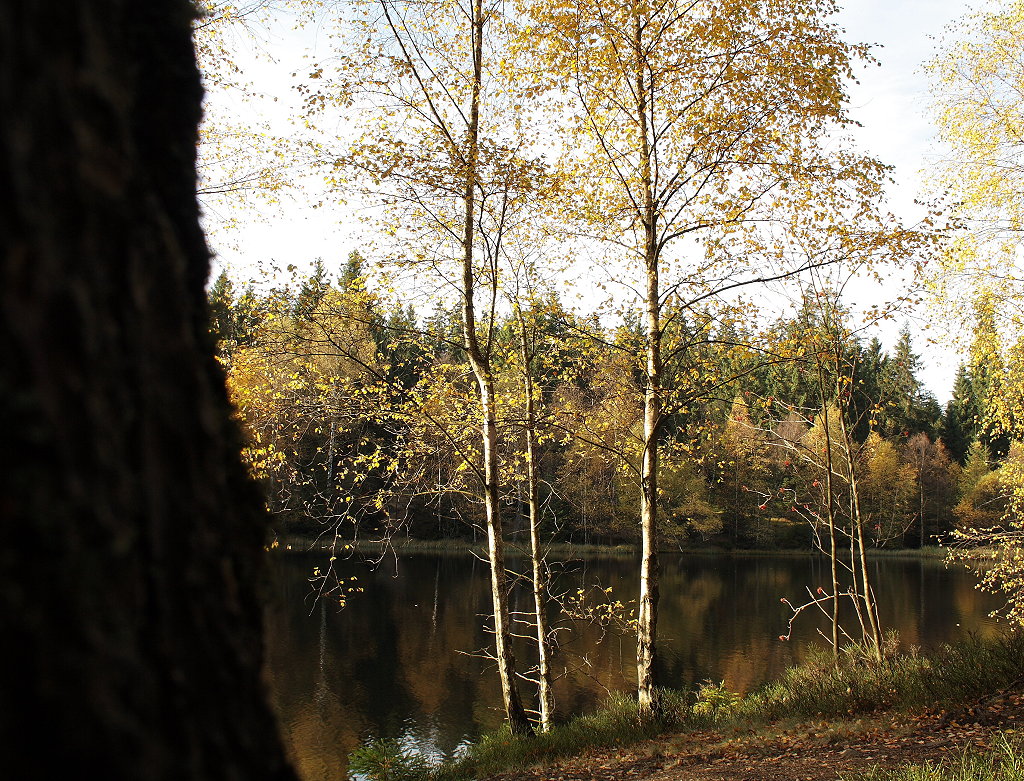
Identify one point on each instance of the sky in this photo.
(890, 102)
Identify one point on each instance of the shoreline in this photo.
(408, 545)
(851, 719)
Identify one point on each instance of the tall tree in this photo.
(887, 491)
(902, 398)
(987, 372)
(960, 420)
(978, 81)
(937, 479)
(685, 132)
(440, 157)
(131, 628)
(978, 77)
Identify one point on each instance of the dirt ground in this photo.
(811, 751)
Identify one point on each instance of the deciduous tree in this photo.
(689, 115)
(978, 81)
(439, 156)
(132, 639)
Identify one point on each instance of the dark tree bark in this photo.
(132, 537)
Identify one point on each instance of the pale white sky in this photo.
(890, 102)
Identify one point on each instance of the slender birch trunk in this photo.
(518, 721)
(540, 581)
(647, 622)
(831, 516)
(868, 594)
(539, 574)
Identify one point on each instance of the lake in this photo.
(398, 660)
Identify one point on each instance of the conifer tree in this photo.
(960, 419)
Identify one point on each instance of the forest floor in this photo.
(807, 751)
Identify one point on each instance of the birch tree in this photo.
(978, 106)
(440, 159)
(692, 118)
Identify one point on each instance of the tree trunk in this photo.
(647, 624)
(920, 495)
(868, 593)
(830, 514)
(130, 625)
(518, 721)
(540, 581)
(647, 621)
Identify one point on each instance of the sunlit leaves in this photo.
(978, 104)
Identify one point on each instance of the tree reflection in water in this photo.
(388, 664)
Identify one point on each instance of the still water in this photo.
(397, 661)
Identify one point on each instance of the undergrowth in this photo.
(617, 723)
(954, 675)
(388, 760)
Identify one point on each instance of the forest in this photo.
(360, 422)
(625, 279)
(624, 276)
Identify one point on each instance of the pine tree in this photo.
(900, 391)
(960, 419)
(221, 300)
(987, 377)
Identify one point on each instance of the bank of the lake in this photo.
(397, 661)
(950, 716)
(910, 717)
(560, 550)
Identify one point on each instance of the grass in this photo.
(903, 681)
(617, 723)
(1004, 761)
(927, 552)
(459, 545)
(953, 675)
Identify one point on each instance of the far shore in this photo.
(515, 549)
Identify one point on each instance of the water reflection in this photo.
(396, 662)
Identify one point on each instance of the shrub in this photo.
(387, 760)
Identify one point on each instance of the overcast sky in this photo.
(890, 102)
